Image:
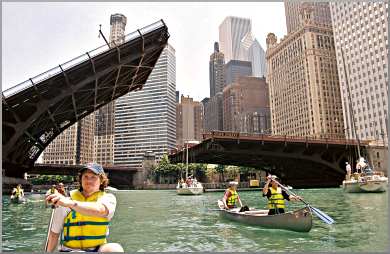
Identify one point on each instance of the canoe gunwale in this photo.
(299, 220)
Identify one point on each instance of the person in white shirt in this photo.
(82, 219)
(348, 169)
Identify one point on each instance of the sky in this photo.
(39, 36)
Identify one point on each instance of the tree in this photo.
(221, 169)
(164, 170)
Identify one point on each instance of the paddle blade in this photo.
(323, 216)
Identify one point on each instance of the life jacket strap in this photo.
(83, 237)
(83, 223)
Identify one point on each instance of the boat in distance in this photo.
(194, 189)
(299, 220)
(365, 183)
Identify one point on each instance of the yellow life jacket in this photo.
(82, 231)
(276, 200)
(18, 192)
(231, 201)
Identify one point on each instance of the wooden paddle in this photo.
(50, 223)
(320, 214)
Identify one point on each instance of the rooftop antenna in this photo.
(101, 33)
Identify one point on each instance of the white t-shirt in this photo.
(108, 200)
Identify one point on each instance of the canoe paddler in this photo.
(17, 192)
(82, 219)
(276, 196)
(231, 196)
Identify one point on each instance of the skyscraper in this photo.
(246, 106)
(213, 114)
(251, 50)
(320, 13)
(231, 32)
(303, 81)
(74, 145)
(235, 69)
(217, 75)
(104, 117)
(145, 120)
(189, 121)
(361, 31)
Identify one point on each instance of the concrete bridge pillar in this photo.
(140, 178)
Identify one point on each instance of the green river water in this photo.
(164, 221)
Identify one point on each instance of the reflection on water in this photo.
(164, 221)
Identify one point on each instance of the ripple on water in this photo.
(163, 221)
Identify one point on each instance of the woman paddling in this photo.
(276, 196)
(83, 218)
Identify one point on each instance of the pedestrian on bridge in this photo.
(82, 219)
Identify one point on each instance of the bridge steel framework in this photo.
(39, 109)
(299, 162)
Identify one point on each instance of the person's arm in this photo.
(86, 208)
(291, 197)
(225, 197)
(52, 242)
(266, 186)
(239, 200)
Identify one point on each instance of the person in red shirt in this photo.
(231, 196)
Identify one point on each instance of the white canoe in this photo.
(18, 200)
(299, 220)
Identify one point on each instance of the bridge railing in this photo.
(268, 137)
(77, 60)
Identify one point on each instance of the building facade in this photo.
(235, 69)
(213, 113)
(216, 70)
(231, 32)
(251, 50)
(189, 121)
(104, 117)
(246, 106)
(320, 14)
(145, 120)
(303, 81)
(361, 32)
(73, 146)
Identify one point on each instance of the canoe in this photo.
(299, 220)
(18, 200)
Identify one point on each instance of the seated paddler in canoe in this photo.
(276, 196)
(17, 194)
(231, 198)
(81, 220)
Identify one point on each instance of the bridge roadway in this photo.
(36, 111)
(300, 162)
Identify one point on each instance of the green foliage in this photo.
(165, 171)
(220, 168)
(51, 179)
